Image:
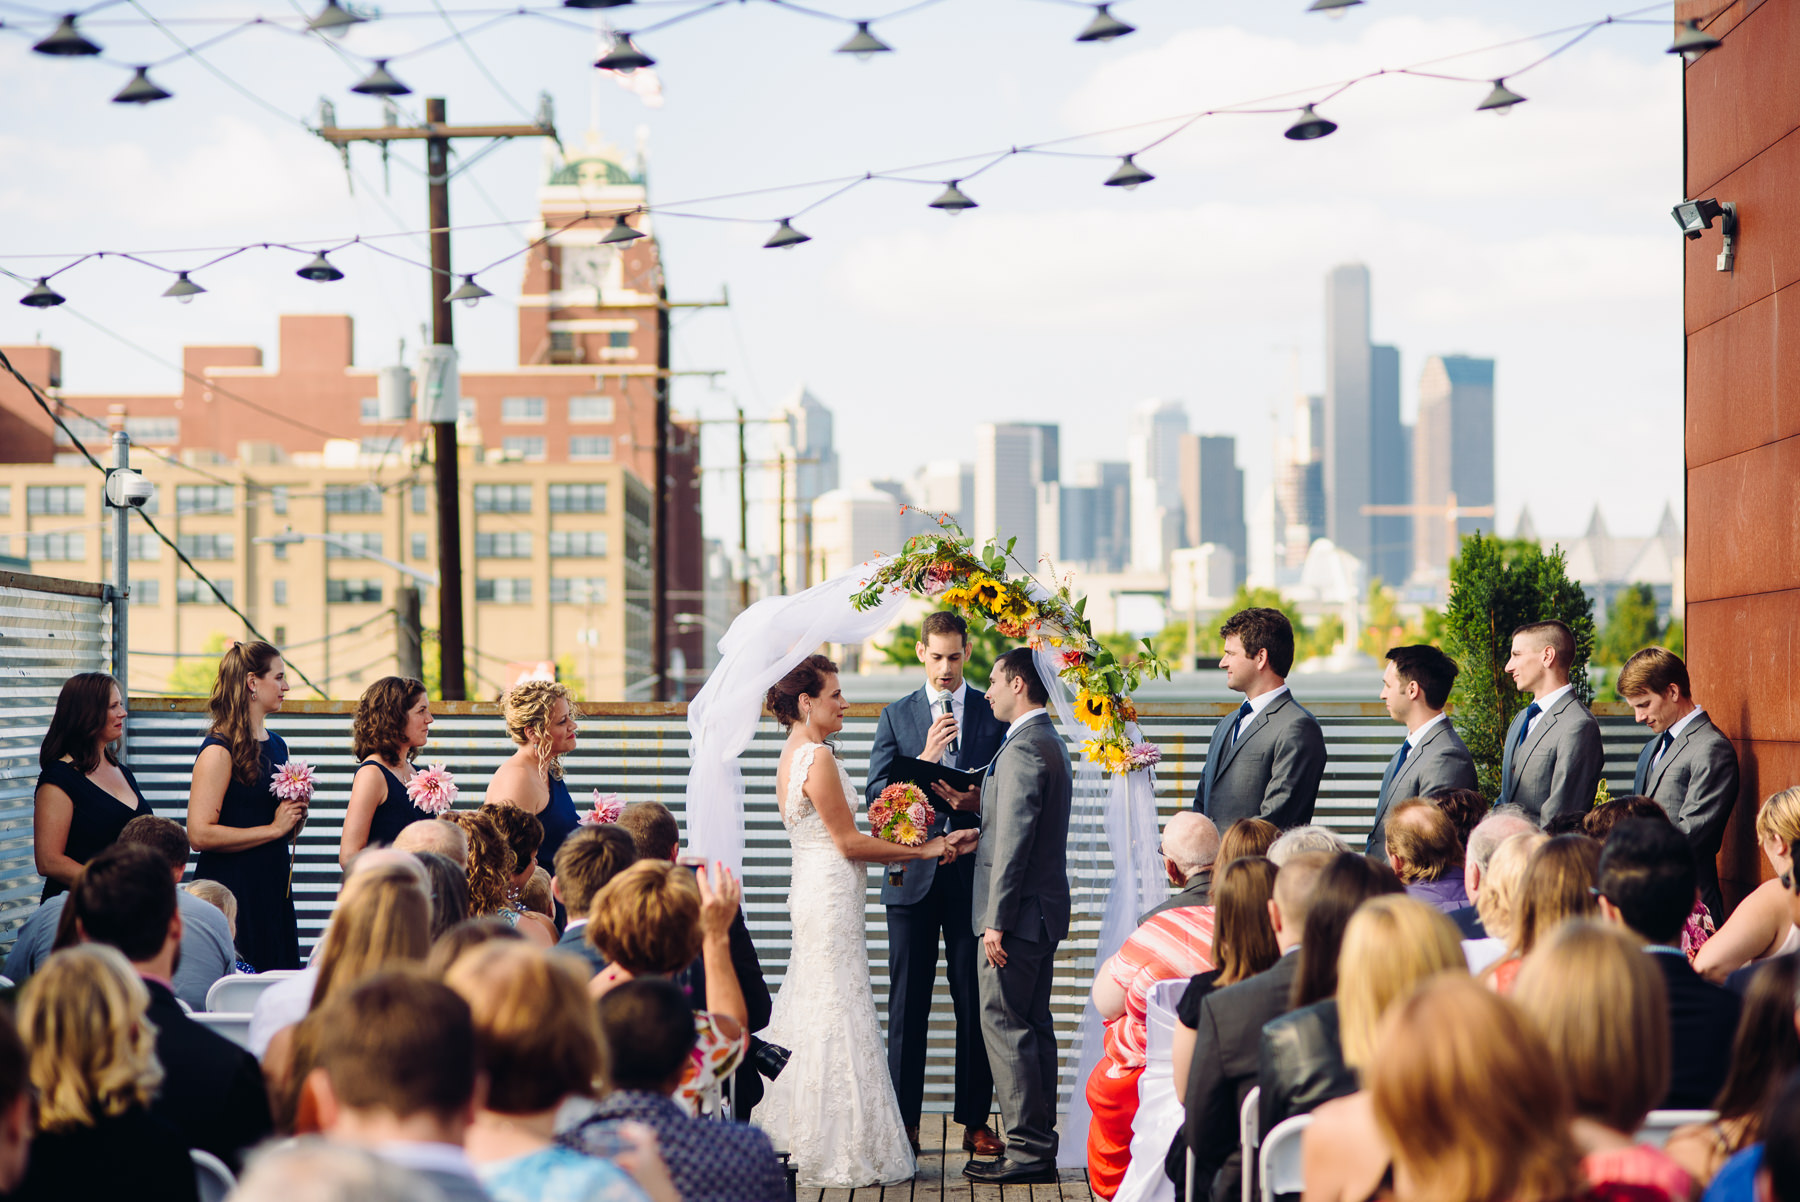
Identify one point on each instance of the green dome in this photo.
(592, 169)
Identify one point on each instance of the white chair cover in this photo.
(1660, 1124)
(212, 1179)
(238, 991)
(1159, 1115)
(235, 1027)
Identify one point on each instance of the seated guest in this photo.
(655, 919)
(650, 1031)
(84, 796)
(466, 936)
(17, 1106)
(537, 1043)
(1763, 924)
(1598, 824)
(207, 951)
(449, 890)
(1646, 884)
(1189, 849)
(315, 1170)
(1466, 809)
(492, 864)
(1768, 1171)
(1311, 837)
(537, 897)
(94, 1072)
(589, 858)
(1320, 1052)
(1598, 1002)
(212, 1091)
(1765, 1053)
(1228, 1036)
(444, 837)
(1243, 945)
(1347, 882)
(1558, 885)
(216, 895)
(1487, 836)
(395, 1073)
(1499, 900)
(1423, 852)
(1246, 837)
(1171, 943)
(524, 834)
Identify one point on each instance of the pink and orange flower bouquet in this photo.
(901, 815)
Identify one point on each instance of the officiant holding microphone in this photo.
(946, 722)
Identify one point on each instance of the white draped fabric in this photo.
(1159, 1114)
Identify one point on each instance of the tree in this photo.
(193, 675)
(1495, 587)
(1631, 625)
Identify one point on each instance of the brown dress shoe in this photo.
(912, 1137)
(982, 1142)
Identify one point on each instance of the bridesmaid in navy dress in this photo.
(393, 720)
(540, 718)
(85, 796)
(234, 820)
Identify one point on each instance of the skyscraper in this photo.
(1154, 451)
(803, 436)
(1011, 460)
(1212, 496)
(946, 486)
(1300, 488)
(1390, 470)
(1453, 452)
(1096, 516)
(1366, 451)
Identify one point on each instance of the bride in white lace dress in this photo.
(833, 1107)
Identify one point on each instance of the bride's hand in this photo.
(935, 849)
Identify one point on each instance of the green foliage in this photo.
(1631, 625)
(985, 646)
(193, 675)
(1315, 642)
(1675, 637)
(566, 674)
(1496, 586)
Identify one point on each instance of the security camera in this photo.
(1697, 216)
(128, 489)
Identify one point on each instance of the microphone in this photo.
(955, 744)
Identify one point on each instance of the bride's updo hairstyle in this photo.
(806, 680)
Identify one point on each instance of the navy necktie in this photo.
(1662, 745)
(1238, 726)
(1400, 757)
(1531, 711)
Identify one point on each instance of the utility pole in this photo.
(437, 135)
(410, 652)
(743, 514)
(121, 585)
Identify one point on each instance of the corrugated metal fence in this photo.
(49, 630)
(640, 752)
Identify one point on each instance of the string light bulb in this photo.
(140, 90)
(334, 20)
(595, 3)
(1693, 41)
(1501, 100)
(864, 45)
(1335, 9)
(624, 57)
(380, 82)
(1128, 175)
(1309, 125)
(470, 293)
(1104, 27)
(620, 232)
(320, 270)
(786, 237)
(183, 289)
(42, 296)
(953, 200)
(65, 41)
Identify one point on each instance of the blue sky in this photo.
(1541, 239)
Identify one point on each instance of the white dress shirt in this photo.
(1022, 719)
(1415, 737)
(1544, 704)
(1674, 732)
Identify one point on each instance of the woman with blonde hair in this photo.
(538, 1043)
(1319, 1052)
(93, 1068)
(1760, 927)
(1603, 1008)
(540, 718)
(1497, 901)
(1558, 885)
(234, 820)
(393, 721)
(491, 890)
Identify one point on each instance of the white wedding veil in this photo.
(764, 644)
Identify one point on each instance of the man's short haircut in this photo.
(649, 1027)
(1294, 885)
(164, 836)
(400, 1043)
(1505, 822)
(1647, 872)
(125, 898)
(1554, 634)
(1653, 670)
(1311, 837)
(1021, 664)
(1426, 666)
(590, 857)
(652, 827)
(1262, 629)
(1781, 1143)
(1191, 840)
(943, 621)
(1423, 839)
(434, 834)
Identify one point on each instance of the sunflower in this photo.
(1094, 709)
(1016, 607)
(987, 592)
(956, 598)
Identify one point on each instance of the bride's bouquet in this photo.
(901, 815)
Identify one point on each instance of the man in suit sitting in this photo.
(1424, 853)
(1415, 687)
(945, 722)
(1487, 836)
(1021, 908)
(1228, 1038)
(1646, 883)
(212, 1090)
(1189, 848)
(1690, 768)
(1551, 766)
(1266, 758)
(587, 859)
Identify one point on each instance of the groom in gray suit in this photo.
(1415, 688)
(1553, 756)
(1021, 912)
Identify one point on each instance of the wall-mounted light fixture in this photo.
(1697, 216)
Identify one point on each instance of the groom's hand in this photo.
(967, 800)
(990, 946)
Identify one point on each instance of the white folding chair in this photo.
(1660, 1124)
(1249, 1118)
(212, 1179)
(235, 1027)
(1279, 1158)
(239, 991)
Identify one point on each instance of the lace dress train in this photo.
(833, 1108)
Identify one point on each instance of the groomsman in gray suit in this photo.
(1266, 757)
(1690, 768)
(1021, 912)
(1415, 687)
(1553, 756)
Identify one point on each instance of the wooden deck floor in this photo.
(940, 1177)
